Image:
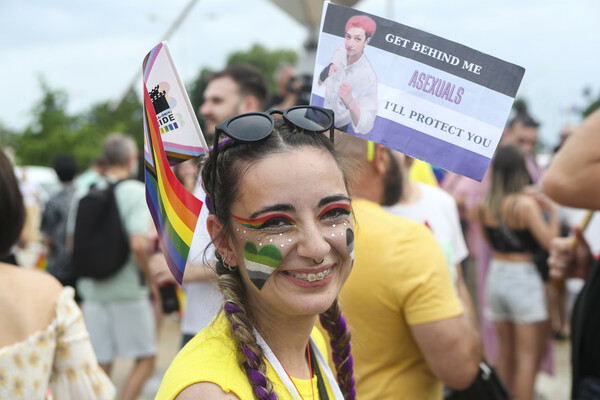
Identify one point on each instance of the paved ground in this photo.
(548, 387)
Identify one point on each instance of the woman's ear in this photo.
(221, 240)
(381, 159)
(249, 103)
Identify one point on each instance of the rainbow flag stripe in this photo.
(174, 210)
(343, 206)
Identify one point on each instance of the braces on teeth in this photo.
(311, 277)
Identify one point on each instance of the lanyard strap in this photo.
(287, 382)
(320, 382)
(335, 389)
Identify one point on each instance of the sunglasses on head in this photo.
(255, 126)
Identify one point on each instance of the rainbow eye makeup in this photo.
(271, 236)
(267, 221)
(335, 210)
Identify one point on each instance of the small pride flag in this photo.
(171, 135)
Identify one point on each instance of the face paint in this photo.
(260, 264)
(350, 242)
(343, 207)
(261, 222)
(269, 238)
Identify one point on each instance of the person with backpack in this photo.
(54, 221)
(110, 256)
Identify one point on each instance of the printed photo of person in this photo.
(351, 84)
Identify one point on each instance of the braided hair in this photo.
(252, 359)
(339, 338)
(232, 161)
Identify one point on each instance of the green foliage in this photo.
(266, 61)
(196, 92)
(520, 105)
(7, 136)
(53, 131)
(593, 102)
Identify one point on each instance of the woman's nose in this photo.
(313, 244)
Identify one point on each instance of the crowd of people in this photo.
(310, 233)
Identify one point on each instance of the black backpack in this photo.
(100, 244)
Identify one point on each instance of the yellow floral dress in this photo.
(59, 358)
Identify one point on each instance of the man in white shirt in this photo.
(351, 90)
(235, 90)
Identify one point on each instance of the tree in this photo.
(7, 136)
(102, 120)
(266, 61)
(593, 102)
(196, 92)
(53, 131)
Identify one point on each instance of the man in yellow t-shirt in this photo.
(409, 331)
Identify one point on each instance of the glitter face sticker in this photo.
(260, 264)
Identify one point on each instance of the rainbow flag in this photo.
(168, 114)
(179, 129)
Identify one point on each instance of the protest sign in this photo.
(171, 135)
(425, 96)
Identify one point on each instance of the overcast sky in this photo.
(92, 50)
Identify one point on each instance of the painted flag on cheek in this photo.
(350, 242)
(260, 264)
(171, 135)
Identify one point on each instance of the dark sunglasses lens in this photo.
(311, 119)
(250, 128)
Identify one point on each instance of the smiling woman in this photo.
(281, 222)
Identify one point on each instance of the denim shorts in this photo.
(515, 293)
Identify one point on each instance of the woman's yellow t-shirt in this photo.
(211, 356)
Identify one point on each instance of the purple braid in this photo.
(252, 361)
(335, 324)
(257, 378)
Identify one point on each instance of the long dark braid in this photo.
(339, 334)
(251, 357)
